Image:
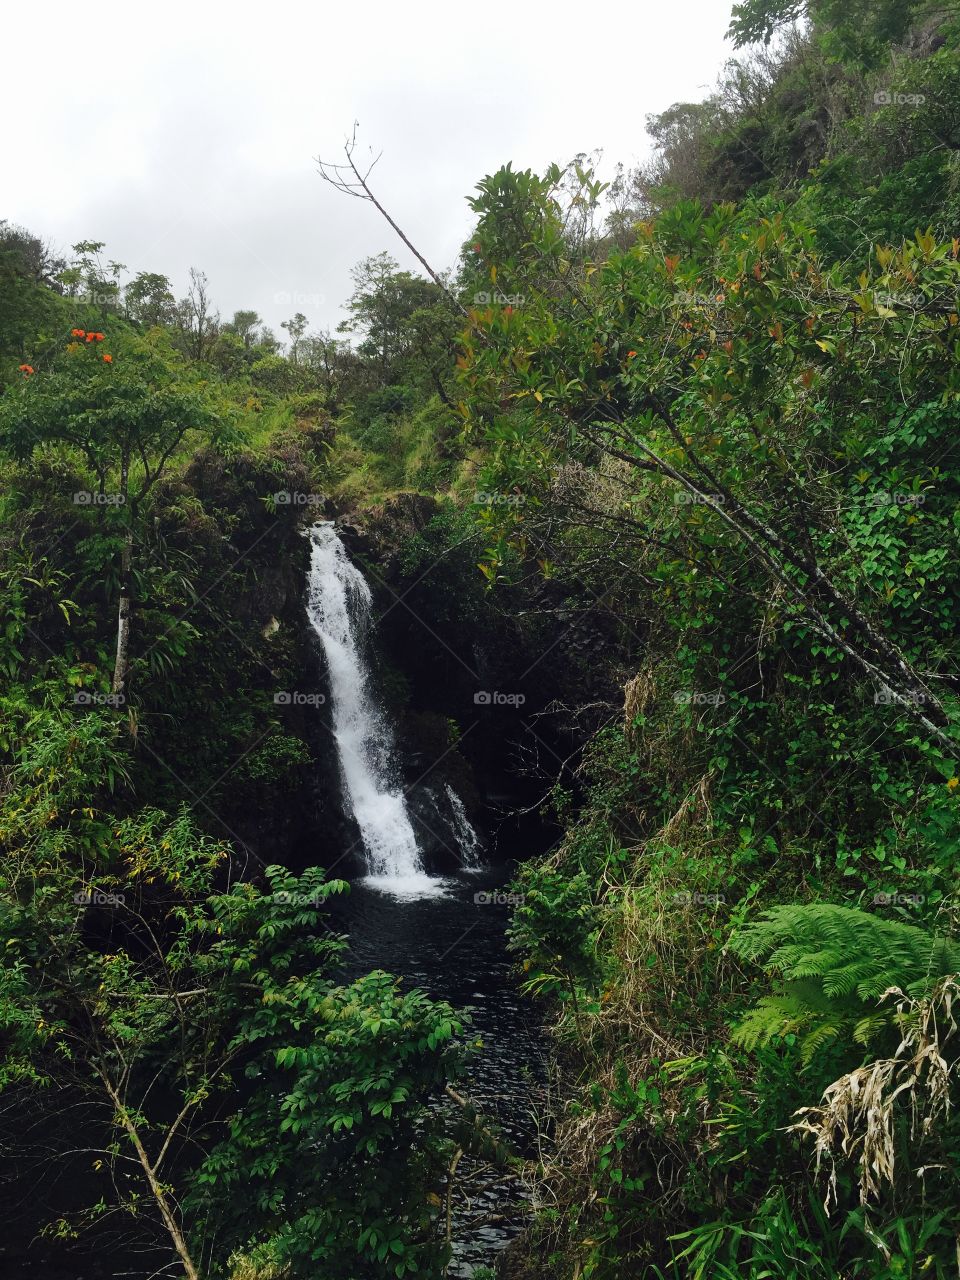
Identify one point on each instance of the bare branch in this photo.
(348, 179)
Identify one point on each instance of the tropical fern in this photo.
(834, 964)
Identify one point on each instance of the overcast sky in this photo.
(184, 134)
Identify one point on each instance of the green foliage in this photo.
(702, 425)
(724, 429)
(203, 989)
(138, 404)
(27, 304)
(276, 1118)
(407, 324)
(333, 1154)
(836, 963)
(277, 762)
(858, 30)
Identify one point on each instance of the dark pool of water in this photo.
(454, 948)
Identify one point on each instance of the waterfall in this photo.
(338, 606)
(468, 842)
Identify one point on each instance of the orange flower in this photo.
(76, 333)
(108, 358)
(91, 336)
(631, 354)
(99, 337)
(26, 369)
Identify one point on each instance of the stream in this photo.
(453, 947)
(443, 934)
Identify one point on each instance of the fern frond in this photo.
(771, 1016)
(824, 1033)
(832, 961)
(867, 1028)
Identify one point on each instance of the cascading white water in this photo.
(338, 606)
(468, 842)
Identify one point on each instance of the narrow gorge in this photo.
(480, 754)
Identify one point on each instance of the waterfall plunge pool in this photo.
(452, 945)
(442, 934)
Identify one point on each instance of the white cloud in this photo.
(184, 134)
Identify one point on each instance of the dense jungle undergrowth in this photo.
(693, 436)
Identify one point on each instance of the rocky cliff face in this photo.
(480, 685)
(260, 767)
(490, 694)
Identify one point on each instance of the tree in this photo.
(857, 30)
(89, 280)
(721, 356)
(231, 1091)
(348, 179)
(28, 288)
(372, 307)
(407, 324)
(229, 356)
(333, 363)
(199, 320)
(265, 342)
(296, 327)
(245, 325)
(35, 259)
(126, 411)
(149, 300)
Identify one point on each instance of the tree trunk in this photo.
(123, 613)
(166, 1213)
(123, 616)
